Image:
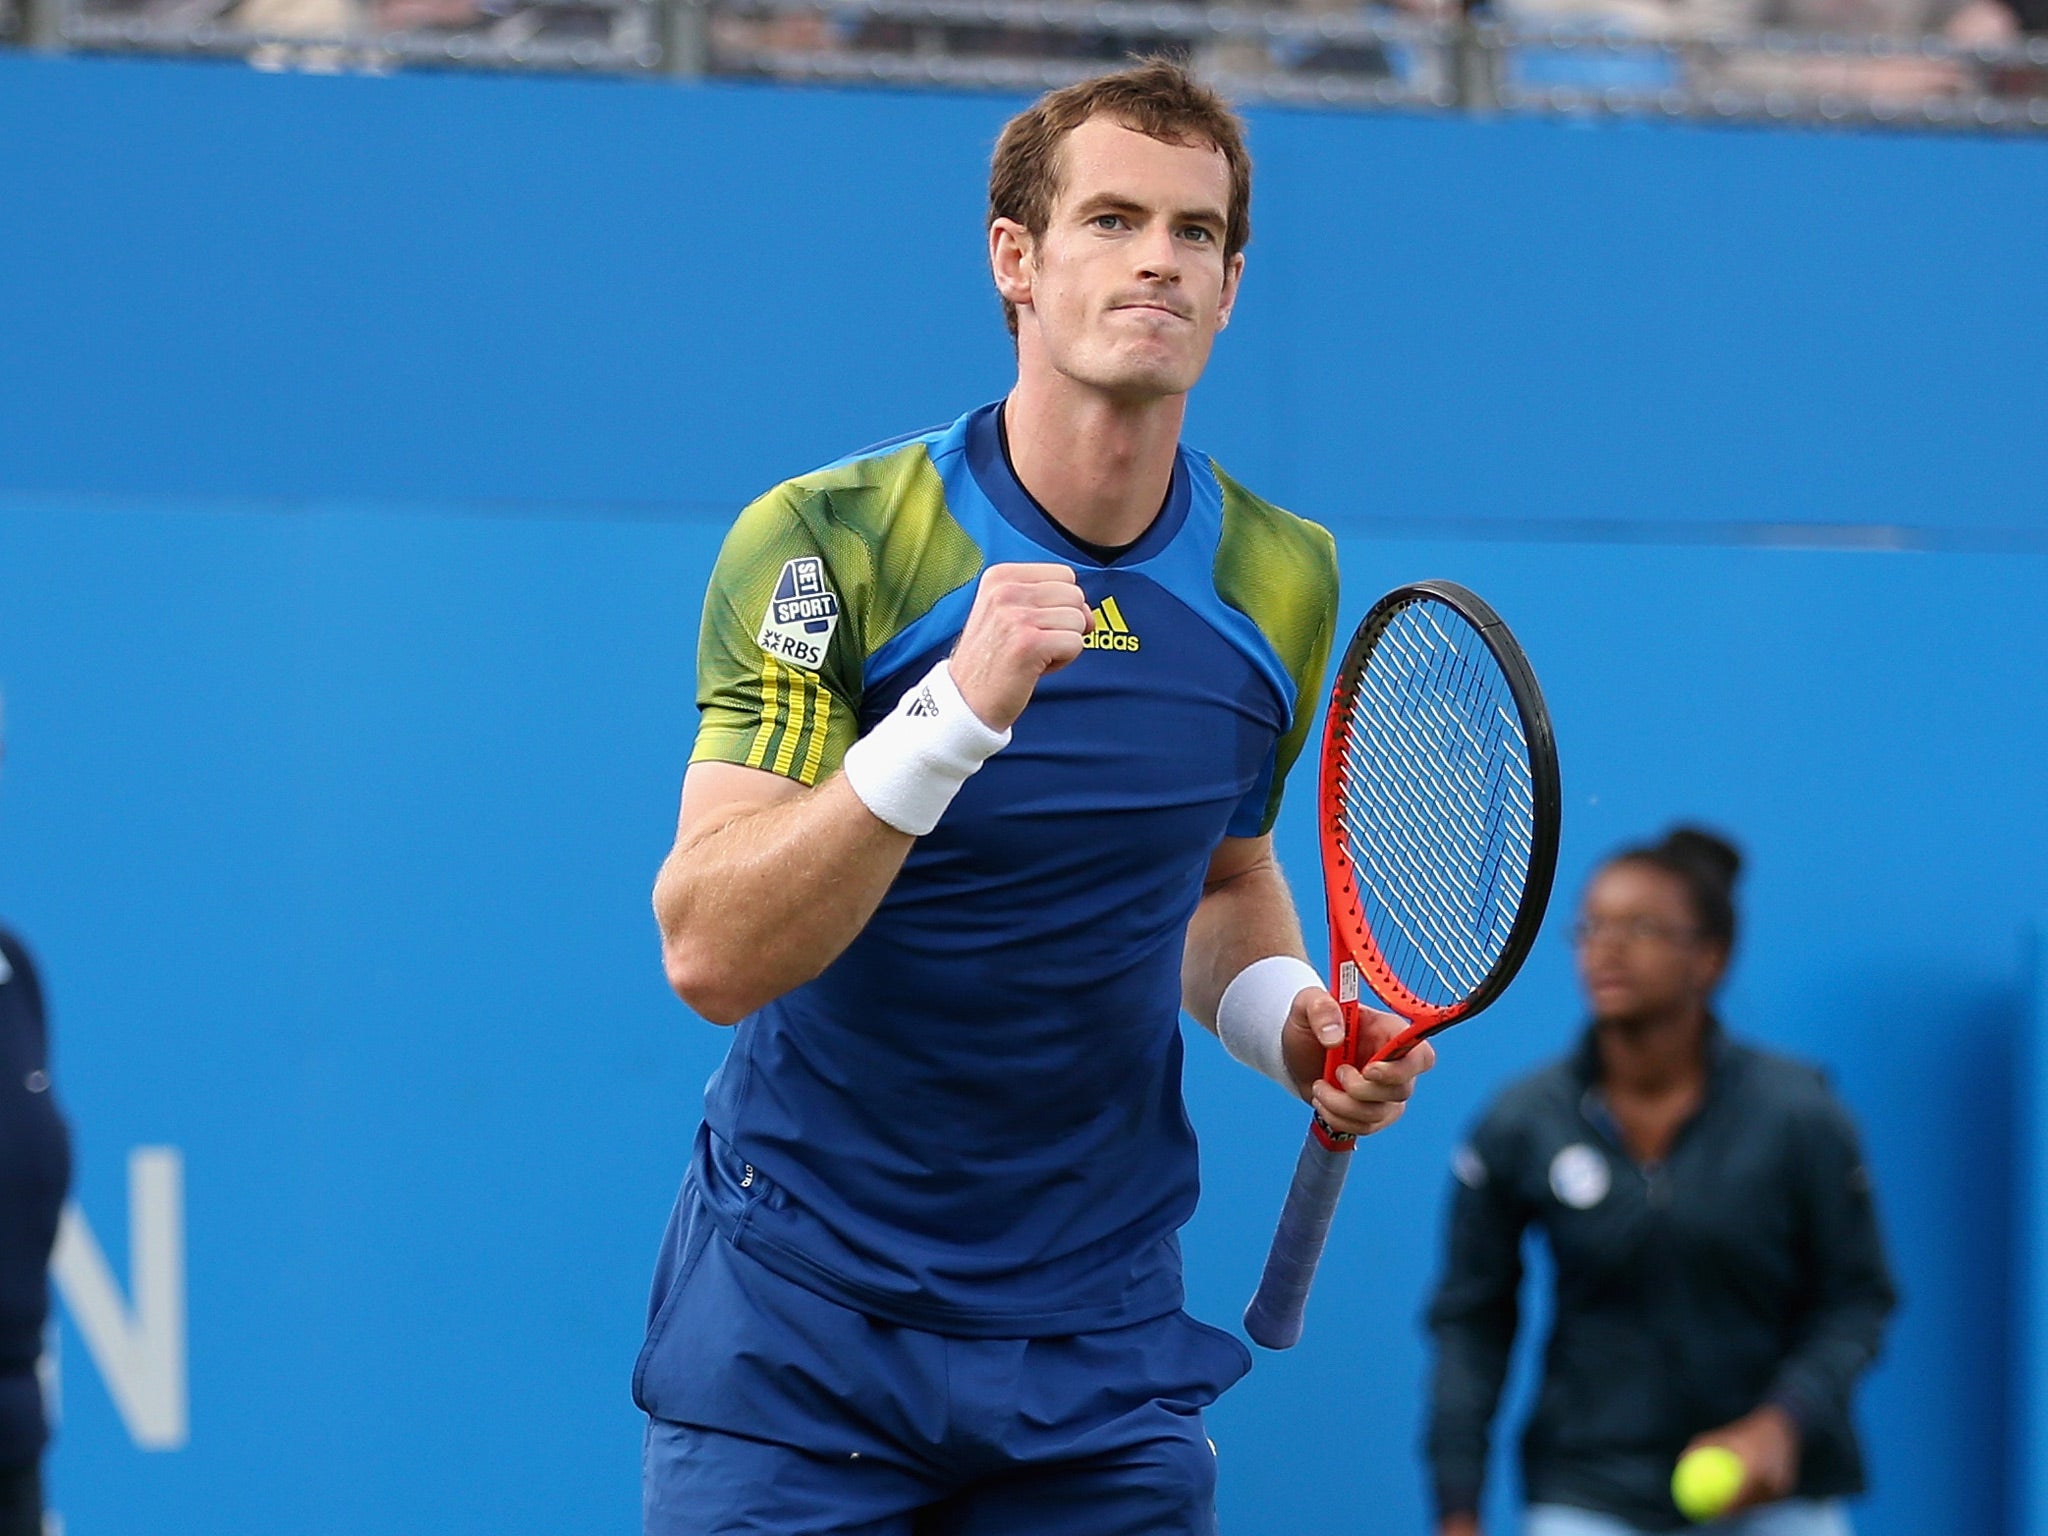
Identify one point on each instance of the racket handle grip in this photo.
(1274, 1318)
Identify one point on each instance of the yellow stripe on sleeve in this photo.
(819, 730)
(771, 710)
(801, 686)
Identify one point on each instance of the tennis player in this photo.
(995, 720)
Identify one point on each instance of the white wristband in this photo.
(909, 767)
(1252, 1017)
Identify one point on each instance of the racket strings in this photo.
(1439, 937)
(1405, 854)
(1436, 802)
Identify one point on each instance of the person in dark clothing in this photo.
(1720, 1276)
(35, 1171)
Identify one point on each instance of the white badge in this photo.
(1579, 1176)
(1468, 1168)
(801, 615)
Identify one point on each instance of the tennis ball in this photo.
(1706, 1481)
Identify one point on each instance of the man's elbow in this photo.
(713, 993)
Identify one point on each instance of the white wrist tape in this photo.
(1252, 1016)
(909, 767)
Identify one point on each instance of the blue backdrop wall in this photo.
(364, 448)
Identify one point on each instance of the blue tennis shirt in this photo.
(971, 1122)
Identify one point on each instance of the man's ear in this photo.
(1233, 274)
(1011, 257)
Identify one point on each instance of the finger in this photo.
(1752, 1490)
(1344, 1113)
(1376, 1027)
(1063, 618)
(1367, 1088)
(1027, 586)
(1320, 1016)
(1036, 602)
(1027, 571)
(1405, 1068)
(1056, 649)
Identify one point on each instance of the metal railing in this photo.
(1359, 57)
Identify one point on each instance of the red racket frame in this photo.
(1353, 949)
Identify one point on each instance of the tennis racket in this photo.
(1439, 812)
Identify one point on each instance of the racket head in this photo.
(1439, 806)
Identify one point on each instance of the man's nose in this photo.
(1158, 255)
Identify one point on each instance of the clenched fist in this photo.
(1027, 620)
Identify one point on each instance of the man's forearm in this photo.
(755, 903)
(1241, 919)
(1244, 960)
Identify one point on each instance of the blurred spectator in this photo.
(35, 1171)
(425, 15)
(1652, 20)
(1901, 78)
(296, 18)
(1719, 1277)
(1988, 23)
(1857, 71)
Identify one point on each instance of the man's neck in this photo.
(1101, 468)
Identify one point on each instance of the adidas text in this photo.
(1108, 640)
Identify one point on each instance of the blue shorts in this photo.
(772, 1409)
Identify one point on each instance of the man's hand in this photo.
(1027, 620)
(1359, 1102)
(1767, 1441)
(1457, 1525)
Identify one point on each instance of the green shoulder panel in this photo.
(1280, 571)
(813, 578)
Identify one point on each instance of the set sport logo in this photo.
(1110, 633)
(801, 616)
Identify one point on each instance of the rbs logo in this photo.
(1110, 633)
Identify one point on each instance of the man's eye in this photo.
(1198, 234)
(1108, 220)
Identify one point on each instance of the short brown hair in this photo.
(1156, 97)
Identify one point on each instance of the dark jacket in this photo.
(1744, 1269)
(35, 1171)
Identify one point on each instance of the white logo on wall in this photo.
(1579, 1176)
(801, 615)
(137, 1341)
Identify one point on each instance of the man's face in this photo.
(1128, 286)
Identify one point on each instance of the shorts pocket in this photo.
(689, 1232)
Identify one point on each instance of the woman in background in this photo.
(35, 1170)
(1720, 1278)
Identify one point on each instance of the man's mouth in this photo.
(1153, 307)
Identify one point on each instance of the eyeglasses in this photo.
(1629, 930)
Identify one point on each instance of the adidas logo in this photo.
(1110, 633)
(924, 706)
